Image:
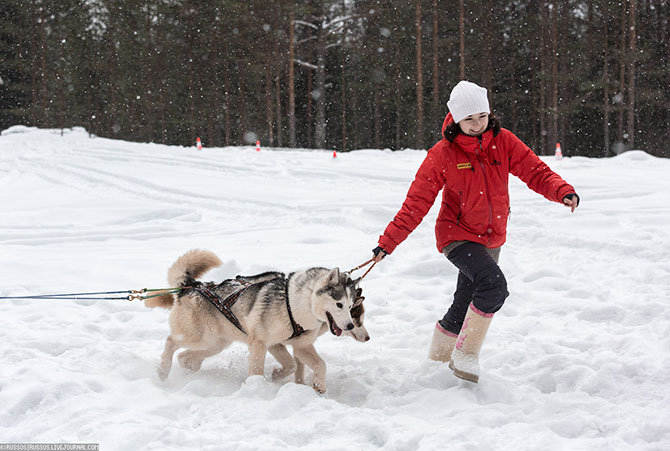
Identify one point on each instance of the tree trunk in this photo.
(533, 85)
(291, 83)
(488, 43)
(436, 56)
(268, 105)
(243, 137)
(461, 34)
(33, 68)
(112, 111)
(356, 140)
(631, 75)
(622, 71)
(227, 106)
(419, 80)
(343, 105)
(215, 128)
(191, 96)
(562, 55)
(554, 78)
(310, 113)
(377, 118)
(277, 79)
(278, 111)
(44, 92)
(320, 126)
(543, 80)
(606, 94)
(398, 131)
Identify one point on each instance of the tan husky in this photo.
(267, 315)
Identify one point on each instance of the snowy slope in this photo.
(577, 359)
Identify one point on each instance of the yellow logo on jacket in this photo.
(464, 166)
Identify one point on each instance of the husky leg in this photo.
(311, 358)
(284, 358)
(171, 346)
(257, 350)
(192, 359)
(299, 371)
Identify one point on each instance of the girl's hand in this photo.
(378, 254)
(571, 200)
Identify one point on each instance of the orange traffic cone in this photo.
(559, 154)
(198, 144)
(334, 153)
(258, 145)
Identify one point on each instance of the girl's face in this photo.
(475, 124)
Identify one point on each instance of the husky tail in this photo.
(192, 265)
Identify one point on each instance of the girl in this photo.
(471, 166)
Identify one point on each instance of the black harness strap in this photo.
(297, 328)
(224, 305)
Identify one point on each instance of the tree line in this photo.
(339, 74)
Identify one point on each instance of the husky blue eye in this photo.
(339, 305)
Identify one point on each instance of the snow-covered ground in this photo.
(577, 359)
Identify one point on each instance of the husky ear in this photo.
(359, 300)
(357, 281)
(333, 277)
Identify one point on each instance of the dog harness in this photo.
(297, 328)
(225, 305)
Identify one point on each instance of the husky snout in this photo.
(359, 332)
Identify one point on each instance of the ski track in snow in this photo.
(577, 359)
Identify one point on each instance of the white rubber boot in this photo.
(442, 344)
(465, 356)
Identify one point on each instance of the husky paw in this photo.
(189, 361)
(163, 372)
(281, 372)
(319, 388)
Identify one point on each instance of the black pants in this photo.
(480, 281)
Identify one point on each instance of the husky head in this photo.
(334, 297)
(359, 332)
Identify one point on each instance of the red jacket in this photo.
(473, 176)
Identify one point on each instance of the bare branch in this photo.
(309, 65)
(306, 39)
(307, 24)
(340, 20)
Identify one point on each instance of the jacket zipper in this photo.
(460, 207)
(488, 191)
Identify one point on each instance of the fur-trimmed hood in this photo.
(447, 121)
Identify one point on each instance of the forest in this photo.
(593, 75)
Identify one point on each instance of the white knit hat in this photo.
(467, 98)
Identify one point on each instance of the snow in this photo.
(577, 359)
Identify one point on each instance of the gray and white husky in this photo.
(268, 313)
(358, 333)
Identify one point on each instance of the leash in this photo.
(363, 265)
(132, 295)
